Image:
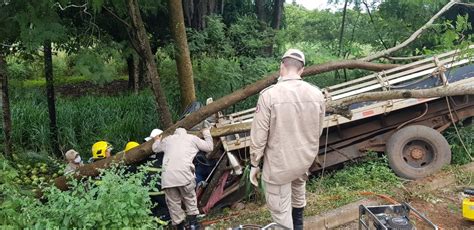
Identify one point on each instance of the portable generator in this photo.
(468, 205)
(390, 217)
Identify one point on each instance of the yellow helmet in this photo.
(99, 149)
(130, 145)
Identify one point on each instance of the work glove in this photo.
(254, 175)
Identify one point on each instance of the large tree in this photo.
(141, 43)
(182, 56)
(48, 73)
(7, 121)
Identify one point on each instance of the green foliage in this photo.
(373, 175)
(19, 68)
(82, 121)
(119, 200)
(212, 40)
(100, 65)
(459, 154)
(249, 37)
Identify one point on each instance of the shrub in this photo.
(119, 200)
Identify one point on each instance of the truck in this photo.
(408, 130)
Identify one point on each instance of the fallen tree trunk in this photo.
(343, 104)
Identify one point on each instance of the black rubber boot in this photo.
(180, 226)
(193, 223)
(297, 214)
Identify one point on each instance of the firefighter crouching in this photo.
(178, 177)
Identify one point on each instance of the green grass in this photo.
(58, 81)
(82, 121)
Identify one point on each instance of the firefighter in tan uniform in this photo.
(285, 132)
(177, 178)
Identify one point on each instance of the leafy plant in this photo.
(118, 200)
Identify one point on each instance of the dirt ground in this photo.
(443, 207)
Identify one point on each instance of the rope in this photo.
(456, 128)
(325, 151)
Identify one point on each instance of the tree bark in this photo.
(412, 37)
(182, 56)
(188, 9)
(341, 31)
(277, 14)
(142, 46)
(260, 10)
(48, 73)
(131, 72)
(7, 121)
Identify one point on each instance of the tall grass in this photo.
(82, 121)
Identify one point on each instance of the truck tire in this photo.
(417, 151)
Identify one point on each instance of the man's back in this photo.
(179, 151)
(296, 113)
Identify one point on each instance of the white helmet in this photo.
(154, 133)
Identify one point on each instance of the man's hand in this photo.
(254, 171)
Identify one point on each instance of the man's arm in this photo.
(207, 144)
(259, 130)
(158, 145)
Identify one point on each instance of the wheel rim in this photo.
(418, 153)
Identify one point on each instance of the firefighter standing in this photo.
(285, 132)
(177, 178)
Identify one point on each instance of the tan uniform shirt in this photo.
(180, 150)
(286, 128)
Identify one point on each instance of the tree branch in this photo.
(412, 37)
(412, 58)
(117, 17)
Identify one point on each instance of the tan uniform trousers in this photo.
(186, 194)
(282, 198)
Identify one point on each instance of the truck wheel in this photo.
(417, 151)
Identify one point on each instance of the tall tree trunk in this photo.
(48, 73)
(341, 32)
(188, 10)
(341, 36)
(136, 82)
(142, 44)
(277, 14)
(182, 56)
(131, 72)
(141, 73)
(7, 121)
(260, 10)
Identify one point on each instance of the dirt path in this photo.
(442, 206)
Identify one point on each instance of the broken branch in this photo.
(412, 37)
